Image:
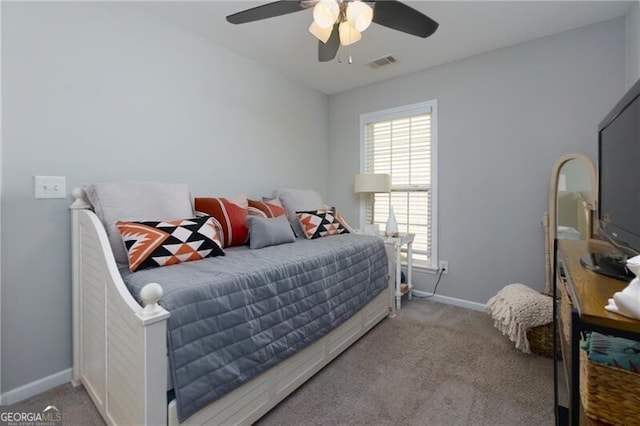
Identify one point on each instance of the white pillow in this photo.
(137, 201)
(295, 200)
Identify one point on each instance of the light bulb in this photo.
(348, 34)
(321, 34)
(325, 13)
(360, 14)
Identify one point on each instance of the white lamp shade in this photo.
(321, 34)
(325, 13)
(372, 182)
(348, 34)
(360, 14)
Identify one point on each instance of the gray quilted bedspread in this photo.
(234, 317)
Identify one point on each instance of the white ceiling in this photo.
(466, 28)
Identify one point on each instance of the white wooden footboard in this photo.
(120, 352)
(119, 348)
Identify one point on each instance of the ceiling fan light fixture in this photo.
(325, 13)
(320, 33)
(360, 14)
(348, 34)
(341, 22)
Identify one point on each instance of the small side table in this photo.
(395, 244)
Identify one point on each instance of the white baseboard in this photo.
(451, 301)
(36, 388)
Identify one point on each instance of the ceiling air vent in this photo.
(377, 63)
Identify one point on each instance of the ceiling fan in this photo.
(341, 22)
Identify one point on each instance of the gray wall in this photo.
(100, 92)
(633, 44)
(504, 118)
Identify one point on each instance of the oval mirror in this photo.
(573, 194)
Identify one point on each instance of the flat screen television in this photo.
(619, 185)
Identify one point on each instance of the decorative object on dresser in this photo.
(627, 301)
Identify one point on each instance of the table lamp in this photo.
(372, 183)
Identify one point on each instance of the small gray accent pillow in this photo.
(265, 232)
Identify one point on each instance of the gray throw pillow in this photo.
(265, 232)
(137, 201)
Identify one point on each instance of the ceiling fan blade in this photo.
(269, 10)
(327, 51)
(398, 16)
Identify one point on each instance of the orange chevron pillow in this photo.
(231, 213)
(321, 223)
(152, 244)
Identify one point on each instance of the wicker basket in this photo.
(541, 340)
(609, 394)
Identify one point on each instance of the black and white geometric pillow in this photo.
(151, 244)
(320, 223)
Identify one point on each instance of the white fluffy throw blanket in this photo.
(517, 308)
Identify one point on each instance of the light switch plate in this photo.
(50, 186)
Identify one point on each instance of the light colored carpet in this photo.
(74, 405)
(433, 364)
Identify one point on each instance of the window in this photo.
(402, 142)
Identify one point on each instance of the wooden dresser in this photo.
(588, 293)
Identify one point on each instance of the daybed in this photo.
(130, 338)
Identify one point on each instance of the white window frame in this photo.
(430, 106)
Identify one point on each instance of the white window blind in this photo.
(401, 144)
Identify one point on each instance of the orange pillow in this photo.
(231, 214)
(268, 208)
